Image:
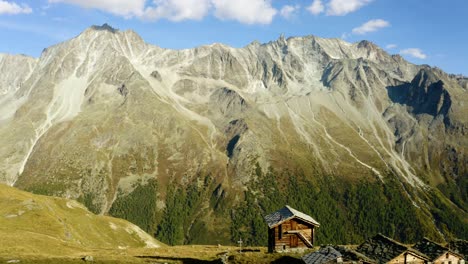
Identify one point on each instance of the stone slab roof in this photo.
(383, 249)
(459, 246)
(352, 255)
(323, 255)
(286, 213)
(430, 248)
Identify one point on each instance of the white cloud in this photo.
(343, 7)
(245, 11)
(177, 10)
(371, 26)
(123, 8)
(13, 8)
(414, 52)
(391, 46)
(288, 11)
(316, 7)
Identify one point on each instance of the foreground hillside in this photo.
(196, 145)
(40, 229)
(36, 225)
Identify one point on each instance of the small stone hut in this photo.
(289, 229)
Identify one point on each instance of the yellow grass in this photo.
(42, 229)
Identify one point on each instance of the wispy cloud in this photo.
(336, 7)
(123, 8)
(343, 7)
(391, 46)
(288, 11)
(12, 8)
(316, 7)
(368, 27)
(371, 26)
(177, 10)
(243, 11)
(414, 52)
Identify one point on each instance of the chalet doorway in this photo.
(294, 241)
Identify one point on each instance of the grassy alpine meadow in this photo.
(42, 229)
(165, 254)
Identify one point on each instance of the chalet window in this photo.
(280, 232)
(447, 255)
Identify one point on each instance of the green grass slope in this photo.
(36, 224)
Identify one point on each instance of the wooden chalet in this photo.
(437, 253)
(386, 250)
(289, 230)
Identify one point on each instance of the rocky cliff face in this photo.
(111, 120)
(15, 70)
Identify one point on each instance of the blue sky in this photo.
(433, 32)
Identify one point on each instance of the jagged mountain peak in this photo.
(397, 57)
(253, 44)
(105, 27)
(110, 32)
(368, 45)
(214, 46)
(338, 49)
(93, 47)
(425, 77)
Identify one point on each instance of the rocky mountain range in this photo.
(196, 145)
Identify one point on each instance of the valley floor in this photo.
(178, 254)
